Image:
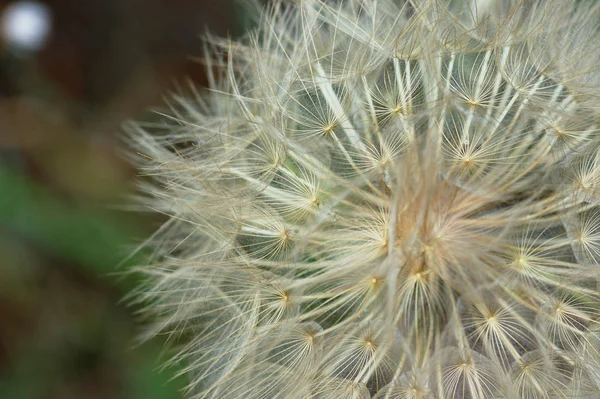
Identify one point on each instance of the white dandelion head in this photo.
(384, 199)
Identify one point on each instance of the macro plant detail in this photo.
(384, 199)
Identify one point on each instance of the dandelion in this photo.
(383, 199)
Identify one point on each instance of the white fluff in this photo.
(384, 199)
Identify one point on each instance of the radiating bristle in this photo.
(384, 199)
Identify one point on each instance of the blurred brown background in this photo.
(63, 331)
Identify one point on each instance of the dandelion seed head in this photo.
(383, 199)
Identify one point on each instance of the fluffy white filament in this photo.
(384, 199)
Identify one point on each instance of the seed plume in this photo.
(383, 199)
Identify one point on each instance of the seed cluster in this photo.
(384, 199)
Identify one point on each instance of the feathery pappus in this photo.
(383, 199)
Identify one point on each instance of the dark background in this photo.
(65, 330)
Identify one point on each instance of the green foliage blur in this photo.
(67, 329)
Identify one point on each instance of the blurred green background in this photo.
(65, 331)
